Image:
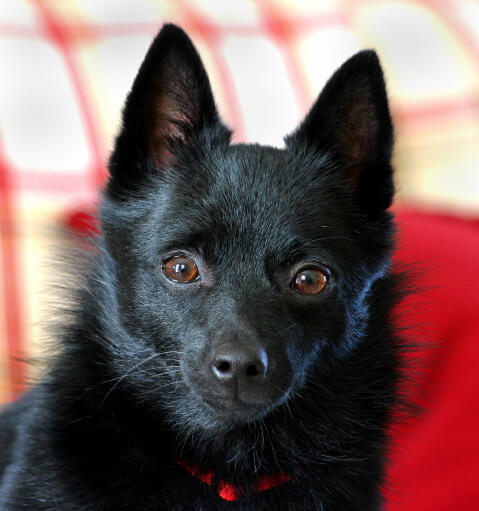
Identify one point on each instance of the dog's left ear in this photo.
(350, 121)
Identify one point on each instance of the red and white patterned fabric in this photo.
(67, 66)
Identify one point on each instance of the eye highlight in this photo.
(181, 269)
(310, 281)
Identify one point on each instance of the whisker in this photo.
(272, 448)
(121, 378)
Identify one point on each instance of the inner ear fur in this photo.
(175, 100)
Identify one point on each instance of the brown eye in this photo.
(181, 269)
(310, 281)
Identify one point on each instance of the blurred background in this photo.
(67, 66)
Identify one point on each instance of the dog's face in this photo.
(242, 271)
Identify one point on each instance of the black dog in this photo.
(232, 347)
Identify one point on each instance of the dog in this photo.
(233, 344)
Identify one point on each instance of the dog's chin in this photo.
(231, 410)
(226, 409)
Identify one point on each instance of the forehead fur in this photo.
(252, 184)
(258, 198)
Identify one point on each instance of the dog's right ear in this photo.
(170, 102)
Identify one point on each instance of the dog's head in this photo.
(238, 272)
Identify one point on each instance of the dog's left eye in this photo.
(310, 281)
(181, 269)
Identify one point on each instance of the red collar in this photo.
(229, 491)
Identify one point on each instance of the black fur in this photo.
(123, 398)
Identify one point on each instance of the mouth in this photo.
(234, 410)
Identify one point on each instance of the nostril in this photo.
(223, 366)
(253, 370)
(223, 369)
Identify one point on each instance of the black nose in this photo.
(241, 363)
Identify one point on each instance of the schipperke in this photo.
(232, 345)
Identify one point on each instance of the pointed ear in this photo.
(170, 102)
(350, 121)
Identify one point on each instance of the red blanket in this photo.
(435, 466)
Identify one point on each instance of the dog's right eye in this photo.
(310, 281)
(181, 269)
